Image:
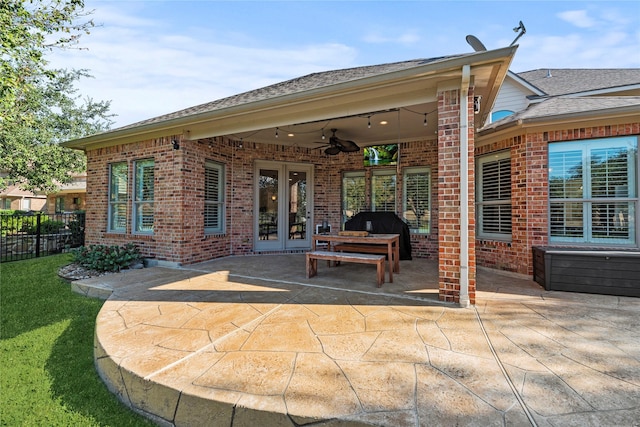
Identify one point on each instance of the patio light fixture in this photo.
(176, 144)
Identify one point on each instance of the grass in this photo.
(47, 376)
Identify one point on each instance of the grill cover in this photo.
(384, 223)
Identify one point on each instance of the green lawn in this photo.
(47, 376)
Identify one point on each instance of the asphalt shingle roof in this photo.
(570, 81)
(559, 106)
(296, 85)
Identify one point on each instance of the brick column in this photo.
(449, 196)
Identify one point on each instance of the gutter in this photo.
(464, 186)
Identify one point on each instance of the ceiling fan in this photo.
(336, 145)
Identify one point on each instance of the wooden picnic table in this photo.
(392, 241)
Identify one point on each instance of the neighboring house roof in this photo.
(78, 185)
(554, 82)
(15, 191)
(567, 107)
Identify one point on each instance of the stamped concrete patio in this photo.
(246, 341)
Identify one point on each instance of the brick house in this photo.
(14, 198)
(70, 197)
(569, 140)
(257, 172)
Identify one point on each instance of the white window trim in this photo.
(221, 198)
(138, 203)
(350, 174)
(480, 203)
(384, 172)
(587, 200)
(416, 171)
(111, 203)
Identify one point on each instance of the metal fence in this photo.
(33, 234)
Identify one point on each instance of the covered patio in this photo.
(248, 340)
(233, 161)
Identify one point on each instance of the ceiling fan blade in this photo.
(332, 151)
(345, 145)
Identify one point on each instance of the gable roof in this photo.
(329, 95)
(567, 107)
(554, 82)
(17, 192)
(296, 85)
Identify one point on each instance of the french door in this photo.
(283, 206)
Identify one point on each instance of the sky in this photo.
(152, 57)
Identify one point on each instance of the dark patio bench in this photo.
(314, 256)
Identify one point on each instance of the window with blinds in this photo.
(118, 192)
(383, 190)
(494, 196)
(353, 194)
(416, 199)
(143, 209)
(213, 197)
(593, 191)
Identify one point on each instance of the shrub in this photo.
(46, 227)
(77, 229)
(106, 258)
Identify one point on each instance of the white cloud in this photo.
(147, 71)
(405, 37)
(150, 67)
(609, 50)
(579, 18)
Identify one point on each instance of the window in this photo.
(59, 204)
(416, 199)
(118, 192)
(500, 114)
(383, 190)
(213, 197)
(353, 194)
(593, 191)
(143, 196)
(494, 196)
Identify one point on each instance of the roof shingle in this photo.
(288, 87)
(556, 82)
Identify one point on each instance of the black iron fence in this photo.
(33, 234)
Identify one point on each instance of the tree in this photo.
(39, 105)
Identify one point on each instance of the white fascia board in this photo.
(519, 80)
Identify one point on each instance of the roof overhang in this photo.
(617, 115)
(378, 94)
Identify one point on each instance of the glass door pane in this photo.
(268, 204)
(297, 205)
(283, 203)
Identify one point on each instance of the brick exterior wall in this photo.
(529, 192)
(449, 196)
(68, 202)
(179, 235)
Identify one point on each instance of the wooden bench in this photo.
(360, 247)
(364, 248)
(314, 256)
